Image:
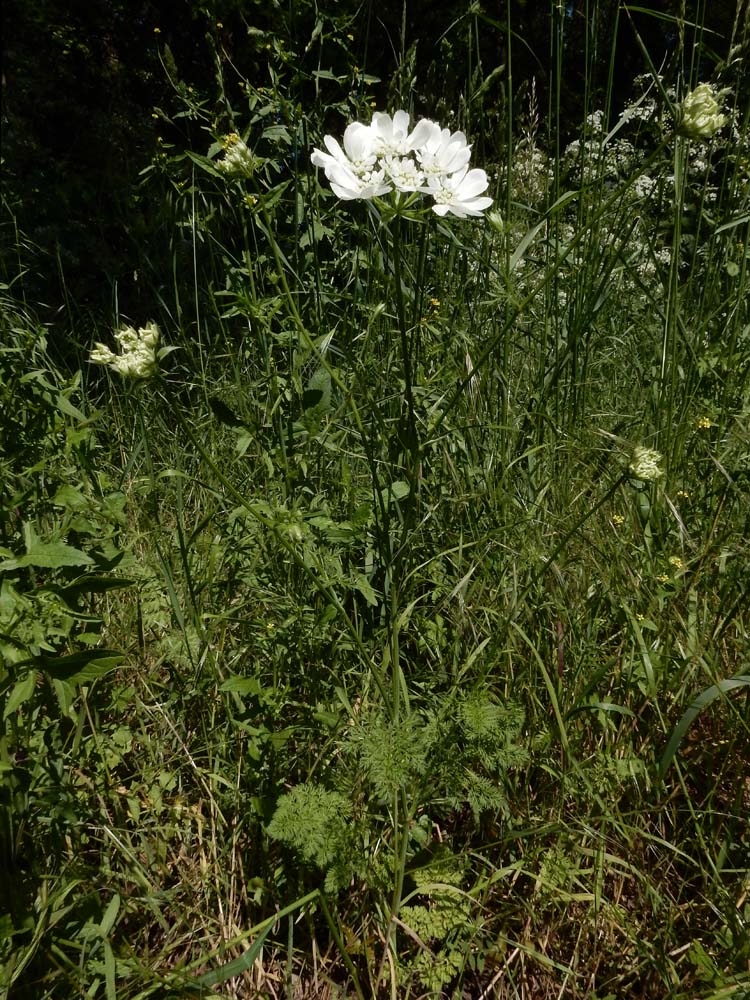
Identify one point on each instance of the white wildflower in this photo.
(644, 464)
(384, 155)
(443, 152)
(137, 357)
(459, 193)
(352, 170)
(644, 186)
(391, 136)
(404, 173)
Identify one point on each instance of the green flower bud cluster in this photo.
(138, 352)
(701, 116)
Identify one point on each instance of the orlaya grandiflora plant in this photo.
(385, 156)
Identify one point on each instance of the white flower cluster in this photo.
(644, 464)
(138, 357)
(237, 161)
(384, 155)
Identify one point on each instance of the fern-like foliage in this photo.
(442, 921)
(474, 742)
(315, 822)
(392, 756)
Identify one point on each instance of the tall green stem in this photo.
(411, 442)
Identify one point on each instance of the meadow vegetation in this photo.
(383, 629)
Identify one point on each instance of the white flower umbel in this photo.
(701, 116)
(443, 152)
(384, 155)
(352, 170)
(459, 193)
(138, 352)
(237, 161)
(391, 136)
(644, 464)
(404, 173)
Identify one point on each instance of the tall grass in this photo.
(351, 656)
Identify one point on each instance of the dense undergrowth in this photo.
(394, 639)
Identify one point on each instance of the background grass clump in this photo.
(360, 652)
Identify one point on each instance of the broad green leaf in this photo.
(82, 667)
(89, 583)
(21, 692)
(65, 406)
(242, 685)
(50, 555)
(365, 588)
(110, 915)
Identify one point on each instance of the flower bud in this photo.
(138, 352)
(701, 116)
(645, 464)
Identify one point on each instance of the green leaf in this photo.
(366, 589)
(702, 701)
(396, 491)
(242, 685)
(238, 965)
(80, 668)
(21, 692)
(110, 915)
(89, 583)
(51, 555)
(110, 972)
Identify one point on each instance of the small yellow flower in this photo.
(157, 31)
(640, 617)
(350, 37)
(617, 520)
(219, 24)
(676, 562)
(663, 578)
(703, 423)
(435, 303)
(683, 494)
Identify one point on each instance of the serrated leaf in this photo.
(50, 555)
(68, 496)
(242, 685)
